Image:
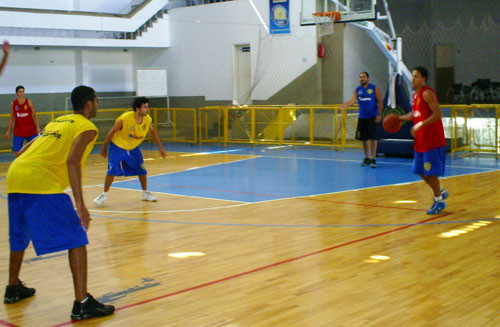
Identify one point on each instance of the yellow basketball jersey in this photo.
(43, 168)
(131, 134)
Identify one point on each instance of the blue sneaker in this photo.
(436, 208)
(444, 194)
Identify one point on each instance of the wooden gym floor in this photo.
(275, 236)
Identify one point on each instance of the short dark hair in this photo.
(138, 102)
(423, 71)
(19, 87)
(80, 96)
(366, 73)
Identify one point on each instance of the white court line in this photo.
(366, 188)
(266, 201)
(281, 198)
(186, 196)
(171, 211)
(331, 159)
(173, 172)
(378, 161)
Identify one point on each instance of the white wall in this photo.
(200, 59)
(109, 71)
(362, 55)
(65, 21)
(43, 71)
(55, 70)
(103, 6)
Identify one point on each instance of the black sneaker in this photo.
(17, 293)
(373, 163)
(366, 162)
(91, 308)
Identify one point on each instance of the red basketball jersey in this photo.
(430, 136)
(24, 125)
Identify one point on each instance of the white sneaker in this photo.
(101, 199)
(148, 196)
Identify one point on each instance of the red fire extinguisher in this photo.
(321, 50)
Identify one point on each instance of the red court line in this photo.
(6, 323)
(268, 266)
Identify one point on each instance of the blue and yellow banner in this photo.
(279, 17)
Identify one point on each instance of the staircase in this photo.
(37, 27)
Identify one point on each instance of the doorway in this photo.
(242, 75)
(445, 70)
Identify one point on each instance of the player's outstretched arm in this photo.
(351, 101)
(118, 126)
(407, 116)
(433, 103)
(35, 117)
(436, 115)
(11, 121)
(380, 104)
(6, 51)
(163, 153)
(75, 173)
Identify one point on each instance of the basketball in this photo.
(392, 123)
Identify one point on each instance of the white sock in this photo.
(85, 300)
(439, 198)
(105, 193)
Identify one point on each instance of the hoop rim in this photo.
(333, 15)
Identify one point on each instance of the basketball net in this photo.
(324, 21)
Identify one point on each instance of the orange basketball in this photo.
(392, 123)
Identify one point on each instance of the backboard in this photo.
(350, 10)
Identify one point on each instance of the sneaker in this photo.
(101, 199)
(148, 196)
(436, 208)
(91, 308)
(366, 162)
(444, 194)
(374, 163)
(17, 293)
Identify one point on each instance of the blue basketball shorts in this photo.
(430, 163)
(18, 142)
(125, 163)
(48, 220)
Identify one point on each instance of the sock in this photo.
(105, 193)
(85, 300)
(439, 198)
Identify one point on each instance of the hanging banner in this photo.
(279, 17)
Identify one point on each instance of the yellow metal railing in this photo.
(475, 128)
(319, 125)
(470, 128)
(172, 124)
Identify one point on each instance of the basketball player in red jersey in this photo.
(6, 51)
(430, 143)
(23, 116)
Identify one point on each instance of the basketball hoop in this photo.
(324, 21)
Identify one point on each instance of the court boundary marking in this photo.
(262, 268)
(303, 197)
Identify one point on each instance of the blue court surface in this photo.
(286, 172)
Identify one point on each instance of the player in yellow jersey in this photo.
(125, 157)
(40, 211)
